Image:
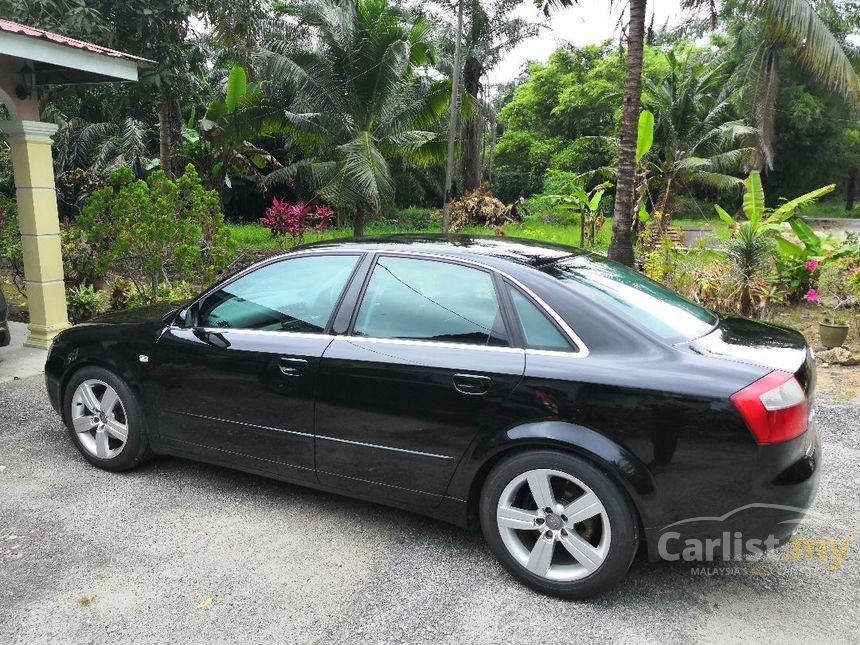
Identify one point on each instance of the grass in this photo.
(254, 236)
(831, 208)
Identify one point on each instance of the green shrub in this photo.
(147, 230)
(84, 302)
(509, 184)
(839, 282)
(11, 252)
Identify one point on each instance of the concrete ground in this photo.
(180, 552)
(17, 361)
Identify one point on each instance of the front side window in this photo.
(538, 331)
(415, 299)
(293, 295)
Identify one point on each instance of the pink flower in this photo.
(811, 265)
(812, 296)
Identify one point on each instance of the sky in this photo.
(590, 22)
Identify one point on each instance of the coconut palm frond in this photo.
(717, 181)
(285, 175)
(796, 23)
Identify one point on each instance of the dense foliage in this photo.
(149, 231)
(276, 112)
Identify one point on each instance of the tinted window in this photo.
(649, 303)
(538, 330)
(297, 295)
(429, 300)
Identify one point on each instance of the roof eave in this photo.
(102, 67)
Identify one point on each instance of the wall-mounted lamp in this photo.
(27, 87)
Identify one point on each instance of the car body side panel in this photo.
(388, 413)
(675, 442)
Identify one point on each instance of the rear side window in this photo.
(295, 295)
(631, 294)
(420, 299)
(538, 331)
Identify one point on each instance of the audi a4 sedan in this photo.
(571, 408)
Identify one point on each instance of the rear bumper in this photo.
(779, 495)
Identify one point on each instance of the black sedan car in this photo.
(570, 407)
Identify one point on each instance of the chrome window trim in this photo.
(264, 332)
(429, 343)
(582, 348)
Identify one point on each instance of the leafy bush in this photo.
(509, 184)
(84, 302)
(123, 294)
(296, 220)
(712, 279)
(839, 282)
(146, 230)
(10, 241)
(81, 263)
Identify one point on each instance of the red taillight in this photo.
(774, 407)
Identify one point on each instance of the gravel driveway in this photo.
(183, 552)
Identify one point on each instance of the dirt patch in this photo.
(836, 382)
(805, 319)
(839, 383)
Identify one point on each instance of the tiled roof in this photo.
(16, 28)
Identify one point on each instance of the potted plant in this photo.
(833, 331)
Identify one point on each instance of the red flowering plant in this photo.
(296, 220)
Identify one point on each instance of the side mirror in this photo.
(187, 318)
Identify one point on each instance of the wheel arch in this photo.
(95, 356)
(619, 464)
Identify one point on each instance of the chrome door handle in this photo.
(472, 384)
(290, 366)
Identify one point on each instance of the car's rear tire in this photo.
(558, 523)
(104, 419)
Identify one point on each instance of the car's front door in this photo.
(426, 365)
(237, 385)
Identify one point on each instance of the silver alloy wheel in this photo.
(98, 416)
(540, 509)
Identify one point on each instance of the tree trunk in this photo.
(452, 120)
(621, 246)
(169, 133)
(665, 204)
(851, 189)
(471, 145)
(358, 223)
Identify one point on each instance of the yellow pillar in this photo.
(30, 147)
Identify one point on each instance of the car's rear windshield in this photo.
(660, 310)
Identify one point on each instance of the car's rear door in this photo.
(425, 365)
(237, 386)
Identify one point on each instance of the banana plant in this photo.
(762, 220)
(751, 244)
(232, 124)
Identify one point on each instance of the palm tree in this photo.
(357, 77)
(104, 146)
(697, 142)
(621, 245)
(490, 32)
(795, 28)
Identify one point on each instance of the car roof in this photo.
(494, 250)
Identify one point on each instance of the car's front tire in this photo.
(104, 420)
(558, 523)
